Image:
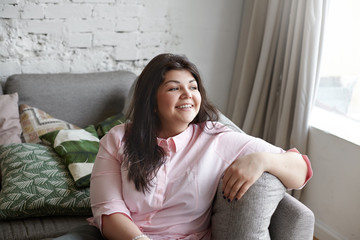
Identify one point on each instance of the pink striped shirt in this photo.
(178, 206)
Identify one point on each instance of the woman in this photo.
(156, 176)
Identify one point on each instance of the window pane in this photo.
(339, 89)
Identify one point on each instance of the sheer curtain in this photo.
(276, 69)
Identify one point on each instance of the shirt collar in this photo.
(177, 142)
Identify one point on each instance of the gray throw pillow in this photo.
(248, 218)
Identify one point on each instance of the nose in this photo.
(186, 93)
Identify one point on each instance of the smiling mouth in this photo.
(184, 106)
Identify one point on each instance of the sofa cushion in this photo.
(39, 228)
(78, 149)
(36, 183)
(35, 122)
(65, 95)
(10, 128)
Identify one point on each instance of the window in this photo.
(337, 106)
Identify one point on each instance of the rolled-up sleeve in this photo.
(309, 173)
(106, 183)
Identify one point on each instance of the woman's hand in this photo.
(289, 167)
(241, 174)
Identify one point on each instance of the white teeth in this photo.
(184, 106)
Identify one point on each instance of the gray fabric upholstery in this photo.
(249, 217)
(80, 99)
(296, 218)
(38, 228)
(83, 232)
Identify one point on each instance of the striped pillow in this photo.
(35, 122)
(78, 148)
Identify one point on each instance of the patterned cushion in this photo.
(35, 122)
(110, 122)
(78, 148)
(36, 183)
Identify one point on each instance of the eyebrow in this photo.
(178, 82)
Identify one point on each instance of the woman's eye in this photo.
(173, 89)
(194, 88)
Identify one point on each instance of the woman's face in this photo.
(178, 102)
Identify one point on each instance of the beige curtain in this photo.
(276, 69)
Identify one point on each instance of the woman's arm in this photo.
(289, 167)
(111, 214)
(119, 226)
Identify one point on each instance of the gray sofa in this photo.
(84, 99)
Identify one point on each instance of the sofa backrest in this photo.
(78, 98)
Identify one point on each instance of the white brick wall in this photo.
(70, 10)
(33, 11)
(9, 11)
(81, 35)
(80, 40)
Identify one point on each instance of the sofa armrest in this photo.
(248, 218)
(291, 219)
(295, 217)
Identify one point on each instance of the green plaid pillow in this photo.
(35, 183)
(78, 148)
(110, 122)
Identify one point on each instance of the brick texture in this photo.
(81, 35)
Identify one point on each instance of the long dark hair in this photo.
(143, 157)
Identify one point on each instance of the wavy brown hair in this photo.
(143, 157)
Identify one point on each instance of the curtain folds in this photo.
(276, 69)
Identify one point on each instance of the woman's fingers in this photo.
(243, 190)
(233, 182)
(239, 177)
(235, 188)
(231, 187)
